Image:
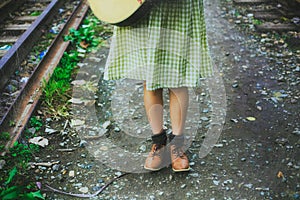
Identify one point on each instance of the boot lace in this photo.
(156, 151)
(177, 151)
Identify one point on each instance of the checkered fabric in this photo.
(167, 48)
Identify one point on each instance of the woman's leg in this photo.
(153, 101)
(179, 101)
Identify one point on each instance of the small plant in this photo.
(14, 186)
(56, 91)
(35, 13)
(22, 152)
(257, 22)
(85, 36)
(36, 122)
(4, 136)
(11, 123)
(237, 13)
(9, 192)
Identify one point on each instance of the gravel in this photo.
(255, 157)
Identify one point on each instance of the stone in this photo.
(2, 163)
(72, 173)
(84, 190)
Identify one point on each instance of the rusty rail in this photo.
(13, 58)
(21, 110)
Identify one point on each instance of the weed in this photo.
(15, 187)
(36, 122)
(4, 136)
(57, 91)
(237, 13)
(22, 153)
(257, 22)
(85, 36)
(11, 123)
(17, 191)
(35, 13)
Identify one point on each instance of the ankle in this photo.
(177, 140)
(160, 139)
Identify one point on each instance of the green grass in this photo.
(57, 91)
(36, 13)
(4, 136)
(14, 183)
(257, 22)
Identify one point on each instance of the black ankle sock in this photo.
(160, 138)
(178, 140)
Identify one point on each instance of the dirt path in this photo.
(256, 156)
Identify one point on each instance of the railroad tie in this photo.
(269, 26)
(272, 16)
(8, 39)
(25, 18)
(16, 27)
(251, 1)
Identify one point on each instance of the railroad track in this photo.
(18, 105)
(20, 31)
(279, 16)
(15, 18)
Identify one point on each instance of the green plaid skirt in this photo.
(167, 48)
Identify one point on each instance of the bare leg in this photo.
(179, 100)
(153, 101)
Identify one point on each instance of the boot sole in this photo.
(181, 170)
(152, 169)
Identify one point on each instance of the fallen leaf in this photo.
(50, 131)
(41, 141)
(84, 45)
(251, 119)
(76, 101)
(77, 122)
(78, 82)
(280, 174)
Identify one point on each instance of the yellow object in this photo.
(114, 11)
(251, 119)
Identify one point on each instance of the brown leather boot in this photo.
(156, 159)
(180, 162)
